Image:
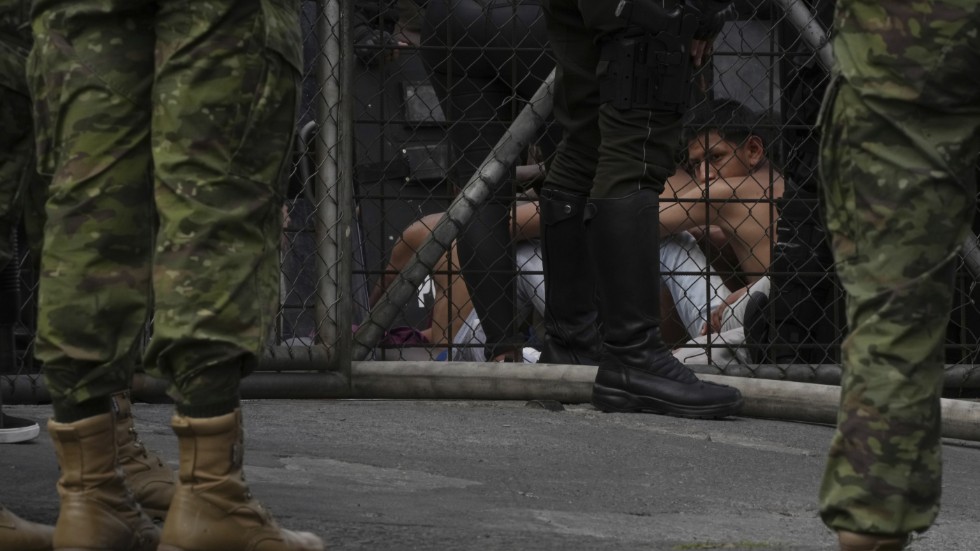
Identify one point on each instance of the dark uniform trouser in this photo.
(497, 61)
(19, 186)
(16, 166)
(899, 145)
(165, 126)
(609, 152)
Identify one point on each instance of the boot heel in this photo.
(147, 475)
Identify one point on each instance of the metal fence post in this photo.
(331, 188)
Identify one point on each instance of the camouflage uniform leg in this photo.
(91, 76)
(899, 144)
(217, 83)
(227, 88)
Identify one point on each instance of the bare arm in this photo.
(690, 210)
(402, 251)
(683, 205)
(527, 222)
(452, 304)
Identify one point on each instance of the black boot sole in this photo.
(612, 400)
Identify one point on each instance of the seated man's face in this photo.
(710, 157)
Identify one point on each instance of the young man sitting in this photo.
(726, 197)
(722, 196)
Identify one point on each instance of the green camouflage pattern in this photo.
(165, 127)
(900, 142)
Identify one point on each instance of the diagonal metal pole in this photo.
(494, 168)
(810, 29)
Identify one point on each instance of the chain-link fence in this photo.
(420, 119)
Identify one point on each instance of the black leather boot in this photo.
(637, 372)
(486, 255)
(571, 335)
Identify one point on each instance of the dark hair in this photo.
(732, 120)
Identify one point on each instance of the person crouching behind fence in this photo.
(729, 202)
(170, 121)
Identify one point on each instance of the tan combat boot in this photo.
(852, 541)
(150, 479)
(212, 509)
(98, 511)
(17, 534)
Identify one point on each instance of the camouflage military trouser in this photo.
(900, 139)
(165, 126)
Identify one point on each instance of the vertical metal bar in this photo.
(327, 177)
(345, 199)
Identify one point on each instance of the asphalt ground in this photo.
(454, 475)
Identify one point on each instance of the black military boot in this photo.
(637, 372)
(486, 254)
(571, 335)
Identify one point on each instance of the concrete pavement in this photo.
(505, 475)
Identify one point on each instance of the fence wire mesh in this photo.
(409, 110)
(452, 74)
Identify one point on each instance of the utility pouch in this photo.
(647, 65)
